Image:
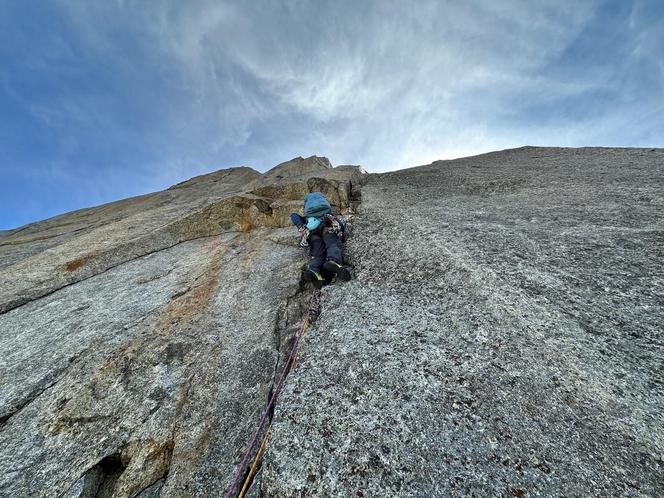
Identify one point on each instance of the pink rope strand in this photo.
(245, 460)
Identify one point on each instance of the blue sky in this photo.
(104, 99)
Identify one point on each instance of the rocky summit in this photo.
(501, 336)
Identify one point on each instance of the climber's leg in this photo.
(314, 270)
(334, 261)
(333, 246)
(317, 251)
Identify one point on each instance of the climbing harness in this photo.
(312, 314)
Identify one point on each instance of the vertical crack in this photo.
(287, 324)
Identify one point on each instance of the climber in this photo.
(323, 232)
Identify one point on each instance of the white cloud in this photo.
(129, 96)
(396, 83)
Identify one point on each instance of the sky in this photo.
(105, 99)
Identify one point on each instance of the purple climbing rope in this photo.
(289, 362)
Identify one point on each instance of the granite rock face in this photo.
(503, 336)
(42, 257)
(139, 340)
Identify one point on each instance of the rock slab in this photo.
(503, 336)
(139, 340)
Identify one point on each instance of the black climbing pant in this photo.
(324, 244)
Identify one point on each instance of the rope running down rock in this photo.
(312, 314)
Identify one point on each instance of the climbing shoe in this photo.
(340, 270)
(314, 277)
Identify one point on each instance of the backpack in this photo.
(316, 205)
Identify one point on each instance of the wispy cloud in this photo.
(155, 92)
